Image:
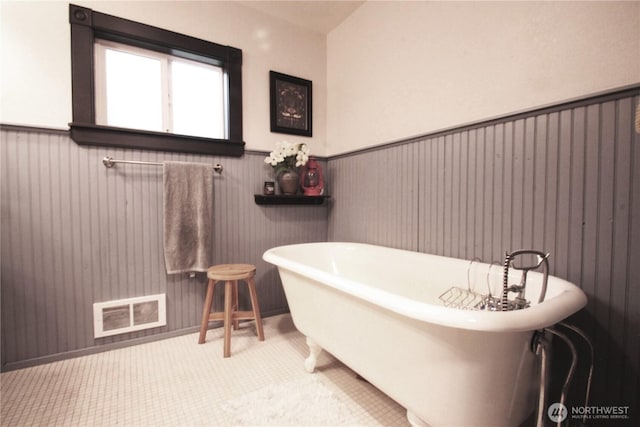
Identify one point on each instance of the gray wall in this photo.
(74, 233)
(564, 179)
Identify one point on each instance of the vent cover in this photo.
(128, 315)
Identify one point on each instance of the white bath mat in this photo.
(305, 402)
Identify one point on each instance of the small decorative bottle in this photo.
(269, 188)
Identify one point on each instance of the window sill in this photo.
(89, 134)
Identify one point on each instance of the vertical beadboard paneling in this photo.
(622, 228)
(551, 179)
(541, 193)
(621, 233)
(495, 214)
(473, 212)
(375, 197)
(632, 290)
(577, 165)
(75, 233)
(564, 180)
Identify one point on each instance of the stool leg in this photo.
(228, 296)
(256, 308)
(206, 310)
(236, 322)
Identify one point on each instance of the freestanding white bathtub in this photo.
(378, 310)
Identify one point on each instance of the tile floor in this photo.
(176, 382)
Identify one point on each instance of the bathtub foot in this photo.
(314, 352)
(414, 420)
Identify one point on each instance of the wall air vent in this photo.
(129, 315)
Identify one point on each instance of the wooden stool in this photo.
(230, 274)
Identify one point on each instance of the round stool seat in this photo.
(231, 271)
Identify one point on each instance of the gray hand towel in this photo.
(188, 211)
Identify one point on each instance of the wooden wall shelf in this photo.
(280, 199)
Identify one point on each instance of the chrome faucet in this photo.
(520, 300)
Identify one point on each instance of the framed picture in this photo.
(290, 104)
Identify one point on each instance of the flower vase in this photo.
(288, 182)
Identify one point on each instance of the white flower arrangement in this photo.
(287, 156)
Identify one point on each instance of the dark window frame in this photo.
(87, 25)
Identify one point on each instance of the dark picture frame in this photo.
(291, 100)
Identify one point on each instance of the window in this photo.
(142, 89)
(139, 86)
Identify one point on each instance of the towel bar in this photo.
(109, 162)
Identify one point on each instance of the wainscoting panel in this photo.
(563, 179)
(375, 197)
(75, 233)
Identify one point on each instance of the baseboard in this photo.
(28, 363)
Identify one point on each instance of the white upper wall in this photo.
(390, 71)
(401, 69)
(35, 71)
